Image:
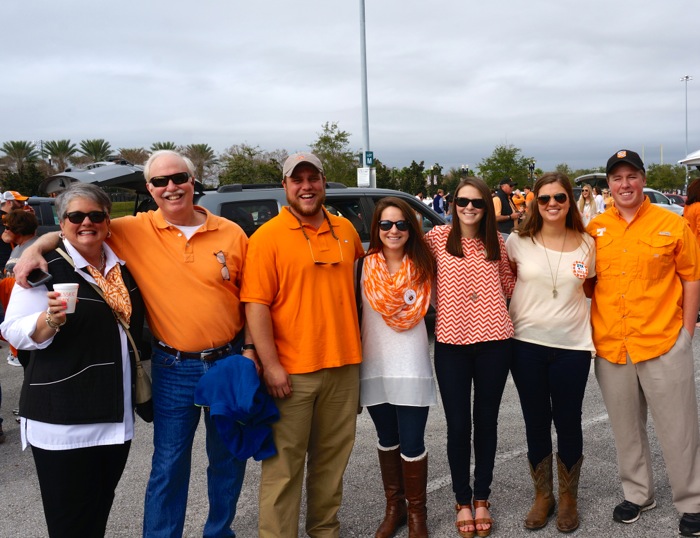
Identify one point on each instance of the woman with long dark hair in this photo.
(552, 256)
(472, 344)
(396, 377)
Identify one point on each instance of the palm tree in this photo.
(157, 146)
(20, 152)
(202, 156)
(134, 155)
(59, 151)
(97, 149)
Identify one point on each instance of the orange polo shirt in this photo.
(637, 305)
(313, 308)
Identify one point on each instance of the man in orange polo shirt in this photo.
(643, 313)
(301, 313)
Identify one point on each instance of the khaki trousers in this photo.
(317, 424)
(666, 385)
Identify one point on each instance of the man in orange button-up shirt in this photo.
(643, 314)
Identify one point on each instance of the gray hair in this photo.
(82, 190)
(160, 153)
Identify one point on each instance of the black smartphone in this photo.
(38, 277)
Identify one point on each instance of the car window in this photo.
(351, 209)
(250, 215)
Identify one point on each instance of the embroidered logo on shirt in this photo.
(580, 270)
(600, 231)
(665, 233)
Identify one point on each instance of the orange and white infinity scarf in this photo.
(401, 301)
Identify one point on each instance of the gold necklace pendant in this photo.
(555, 293)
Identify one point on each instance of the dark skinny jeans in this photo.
(551, 383)
(486, 365)
(401, 425)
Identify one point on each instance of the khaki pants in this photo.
(666, 385)
(317, 424)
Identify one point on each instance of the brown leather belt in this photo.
(213, 354)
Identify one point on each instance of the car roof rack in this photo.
(239, 187)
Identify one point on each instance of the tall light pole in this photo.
(531, 167)
(686, 79)
(365, 113)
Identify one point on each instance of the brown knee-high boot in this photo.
(392, 477)
(567, 516)
(415, 477)
(543, 507)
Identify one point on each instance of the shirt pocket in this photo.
(605, 256)
(655, 256)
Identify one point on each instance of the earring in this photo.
(109, 234)
(61, 236)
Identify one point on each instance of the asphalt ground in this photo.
(21, 511)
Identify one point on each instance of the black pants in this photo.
(77, 487)
(486, 365)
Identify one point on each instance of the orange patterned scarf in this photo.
(400, 300)
(115, 293)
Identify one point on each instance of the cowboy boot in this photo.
(543, 507)
(415, 476)
(567, 517)
(392, 477)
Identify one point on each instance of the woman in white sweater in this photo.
(552, 256)
(396, 377)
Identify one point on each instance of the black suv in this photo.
(251, 205)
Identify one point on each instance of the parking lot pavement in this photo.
(21, 511)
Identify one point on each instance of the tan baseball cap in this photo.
(296, 159)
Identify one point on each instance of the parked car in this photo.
(45, 212)
(251, 205)
(676, 199)
(662, 200)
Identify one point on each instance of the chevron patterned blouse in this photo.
(471, 292)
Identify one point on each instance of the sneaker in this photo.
(690, 524)
(13, 361)
(628, 512)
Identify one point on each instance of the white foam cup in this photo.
(69, 293)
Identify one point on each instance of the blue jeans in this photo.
(486, 364)
(551, 383)
(175, 421)
(401, 425)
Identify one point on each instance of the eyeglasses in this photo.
(560, 197)
(335, 261)
(77, 217)
(477, 203)
(386, 225)
(177, 179)
(221, 258)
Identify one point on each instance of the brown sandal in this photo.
(483, 520)
(465, 522)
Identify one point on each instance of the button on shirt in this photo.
(637, 306)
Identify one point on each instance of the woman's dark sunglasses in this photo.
(477, 203)
(386, 225)
(560, 197)
(177, 179)
(77, 217)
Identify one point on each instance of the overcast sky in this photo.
(449, 80)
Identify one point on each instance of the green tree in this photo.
(666, 177)
(249, 164)
(386, 177)
(505, 161)
(96, 149)
(332, 147)
(565, 169)
(434, 179)
(157, 146)
(452, 179)
(59, 152)
(203, 157)
(134, 155)
(412, 178)
(19, 153)
(26, 180)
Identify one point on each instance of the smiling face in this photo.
(306, 191)
(586, 192)
(553, 212)
(627, 187)
(393, 239)
(175, 201)
(87, 237)
(469, 216)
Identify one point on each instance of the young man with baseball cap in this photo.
(643, 314)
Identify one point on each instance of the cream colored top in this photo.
(565, 321)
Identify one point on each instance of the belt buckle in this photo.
(206, 355)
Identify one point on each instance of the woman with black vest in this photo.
(76, 404)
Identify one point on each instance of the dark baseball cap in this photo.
(625, 156)
(507, 181)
